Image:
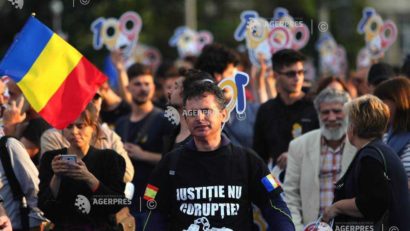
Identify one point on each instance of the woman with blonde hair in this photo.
(373, 192)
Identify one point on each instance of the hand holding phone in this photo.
(71, 158)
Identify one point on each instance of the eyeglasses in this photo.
(291, 74)
(78, 126)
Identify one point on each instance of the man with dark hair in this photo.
(209, 183)
(378, 73)
(217, 60)
(142, 132)
(181, 134)
(287, 116)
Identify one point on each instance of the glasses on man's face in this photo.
(291, 74)
(77, 125)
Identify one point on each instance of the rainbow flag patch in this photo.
(150, 192)
(270, 182)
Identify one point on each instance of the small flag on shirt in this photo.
(270, 183)
(150, 192)
(56, 79)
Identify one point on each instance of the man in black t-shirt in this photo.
(287, 116)
(208, 183)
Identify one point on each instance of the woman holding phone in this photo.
(71, 185)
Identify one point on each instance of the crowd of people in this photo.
(158, 149)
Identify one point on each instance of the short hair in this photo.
(201, 89)
(138, 69)
(192, 76)
(329, 95)
(285, 58)
(215, 58)
(398, 91)
(368, 116)
(379, 72)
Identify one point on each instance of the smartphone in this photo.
(72, 158)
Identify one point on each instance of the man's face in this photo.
(290, 78)
(175, 93)
(168, 84)
(332, 120)
(142, 89)
(203, 116)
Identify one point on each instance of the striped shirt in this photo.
(330, 169)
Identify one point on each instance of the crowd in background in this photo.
(303, 130)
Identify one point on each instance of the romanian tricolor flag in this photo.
(150, 192)
(270, 183)
(56, 79)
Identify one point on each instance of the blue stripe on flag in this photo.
(268, 185)
(26, 48)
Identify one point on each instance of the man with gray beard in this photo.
(316, 160)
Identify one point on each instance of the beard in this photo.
(140, 101)
(334, 133)
(141, 98)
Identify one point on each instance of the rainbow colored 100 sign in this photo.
(115, 34)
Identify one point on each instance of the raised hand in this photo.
(13, 113)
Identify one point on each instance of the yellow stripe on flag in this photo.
(273, 181)
(49, 71)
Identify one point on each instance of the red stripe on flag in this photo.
(73, 95)
(152, 187)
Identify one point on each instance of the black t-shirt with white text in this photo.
(209, 189)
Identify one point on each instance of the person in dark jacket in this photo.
(373, 192)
